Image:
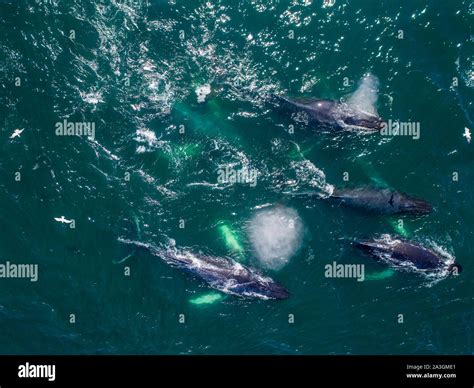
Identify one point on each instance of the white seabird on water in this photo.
(62, 219)
(467, 134)
(16, 133)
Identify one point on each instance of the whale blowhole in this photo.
(276, 235)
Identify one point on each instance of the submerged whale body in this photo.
(404, 254)
(386, 201)
(357, 113)
(333, 114)
(221, 273)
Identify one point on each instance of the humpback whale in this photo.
(220, 273)
(404, 254)
(357, 113)
(386, 201)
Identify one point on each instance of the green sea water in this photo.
(137, 70)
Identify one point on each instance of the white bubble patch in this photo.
(202, 92)
(276, 235)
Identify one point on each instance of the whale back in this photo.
(381, 200)
(401, 252)
(226, 275)
(419, 256)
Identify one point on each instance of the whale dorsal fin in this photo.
(391, 200)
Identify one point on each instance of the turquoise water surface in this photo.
(178, 90)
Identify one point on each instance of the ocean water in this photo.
(177, 91)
